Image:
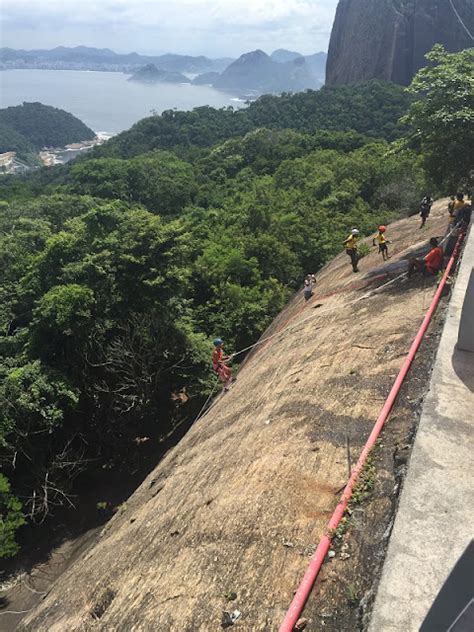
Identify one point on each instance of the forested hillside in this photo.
(373, 109)
(119, 269)
(29, 127)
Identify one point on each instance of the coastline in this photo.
(51, 156)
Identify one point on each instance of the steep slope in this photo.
(387, 39)
(239, 504)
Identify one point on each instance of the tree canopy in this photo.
(442, 117)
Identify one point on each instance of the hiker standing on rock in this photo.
(463, 217)
(219, 360)
(462, 211)
(382, 242)
(451, 210)
(308, 287)
(350, 245)
(425, 209)
(459, 203)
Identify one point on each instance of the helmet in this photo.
(354, 232)
(382, 229)
(217, 342)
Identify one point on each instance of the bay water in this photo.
(105, 101)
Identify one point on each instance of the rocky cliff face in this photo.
(387, 39)
(229, 517)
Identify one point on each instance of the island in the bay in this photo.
(33, 134)
(151, 74)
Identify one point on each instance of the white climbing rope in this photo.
(203, 410)
(317, 314)
(460, 20)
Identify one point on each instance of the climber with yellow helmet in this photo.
(350, 245)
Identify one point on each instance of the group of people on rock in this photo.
(459, 210)
(351, 245)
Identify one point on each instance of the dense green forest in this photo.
(118, 269)
(29, 127)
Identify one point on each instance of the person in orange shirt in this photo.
(431, 263)
(219, 360)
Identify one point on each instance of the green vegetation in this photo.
(159, 181)
(442, 117)
(353, 596)
(11, 518)
(365, 483)
(29, 127)
(119, 269)
(372, 109)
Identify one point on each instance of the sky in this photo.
(217, 28)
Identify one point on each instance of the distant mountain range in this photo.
(251, 75)
(85, 58)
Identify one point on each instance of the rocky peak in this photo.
(254, 57)
(388, 39)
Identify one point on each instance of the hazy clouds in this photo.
(213, 27)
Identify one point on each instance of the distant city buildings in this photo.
(10, 164)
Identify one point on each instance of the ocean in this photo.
(105, 101)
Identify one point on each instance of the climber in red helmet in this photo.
(382, 241)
